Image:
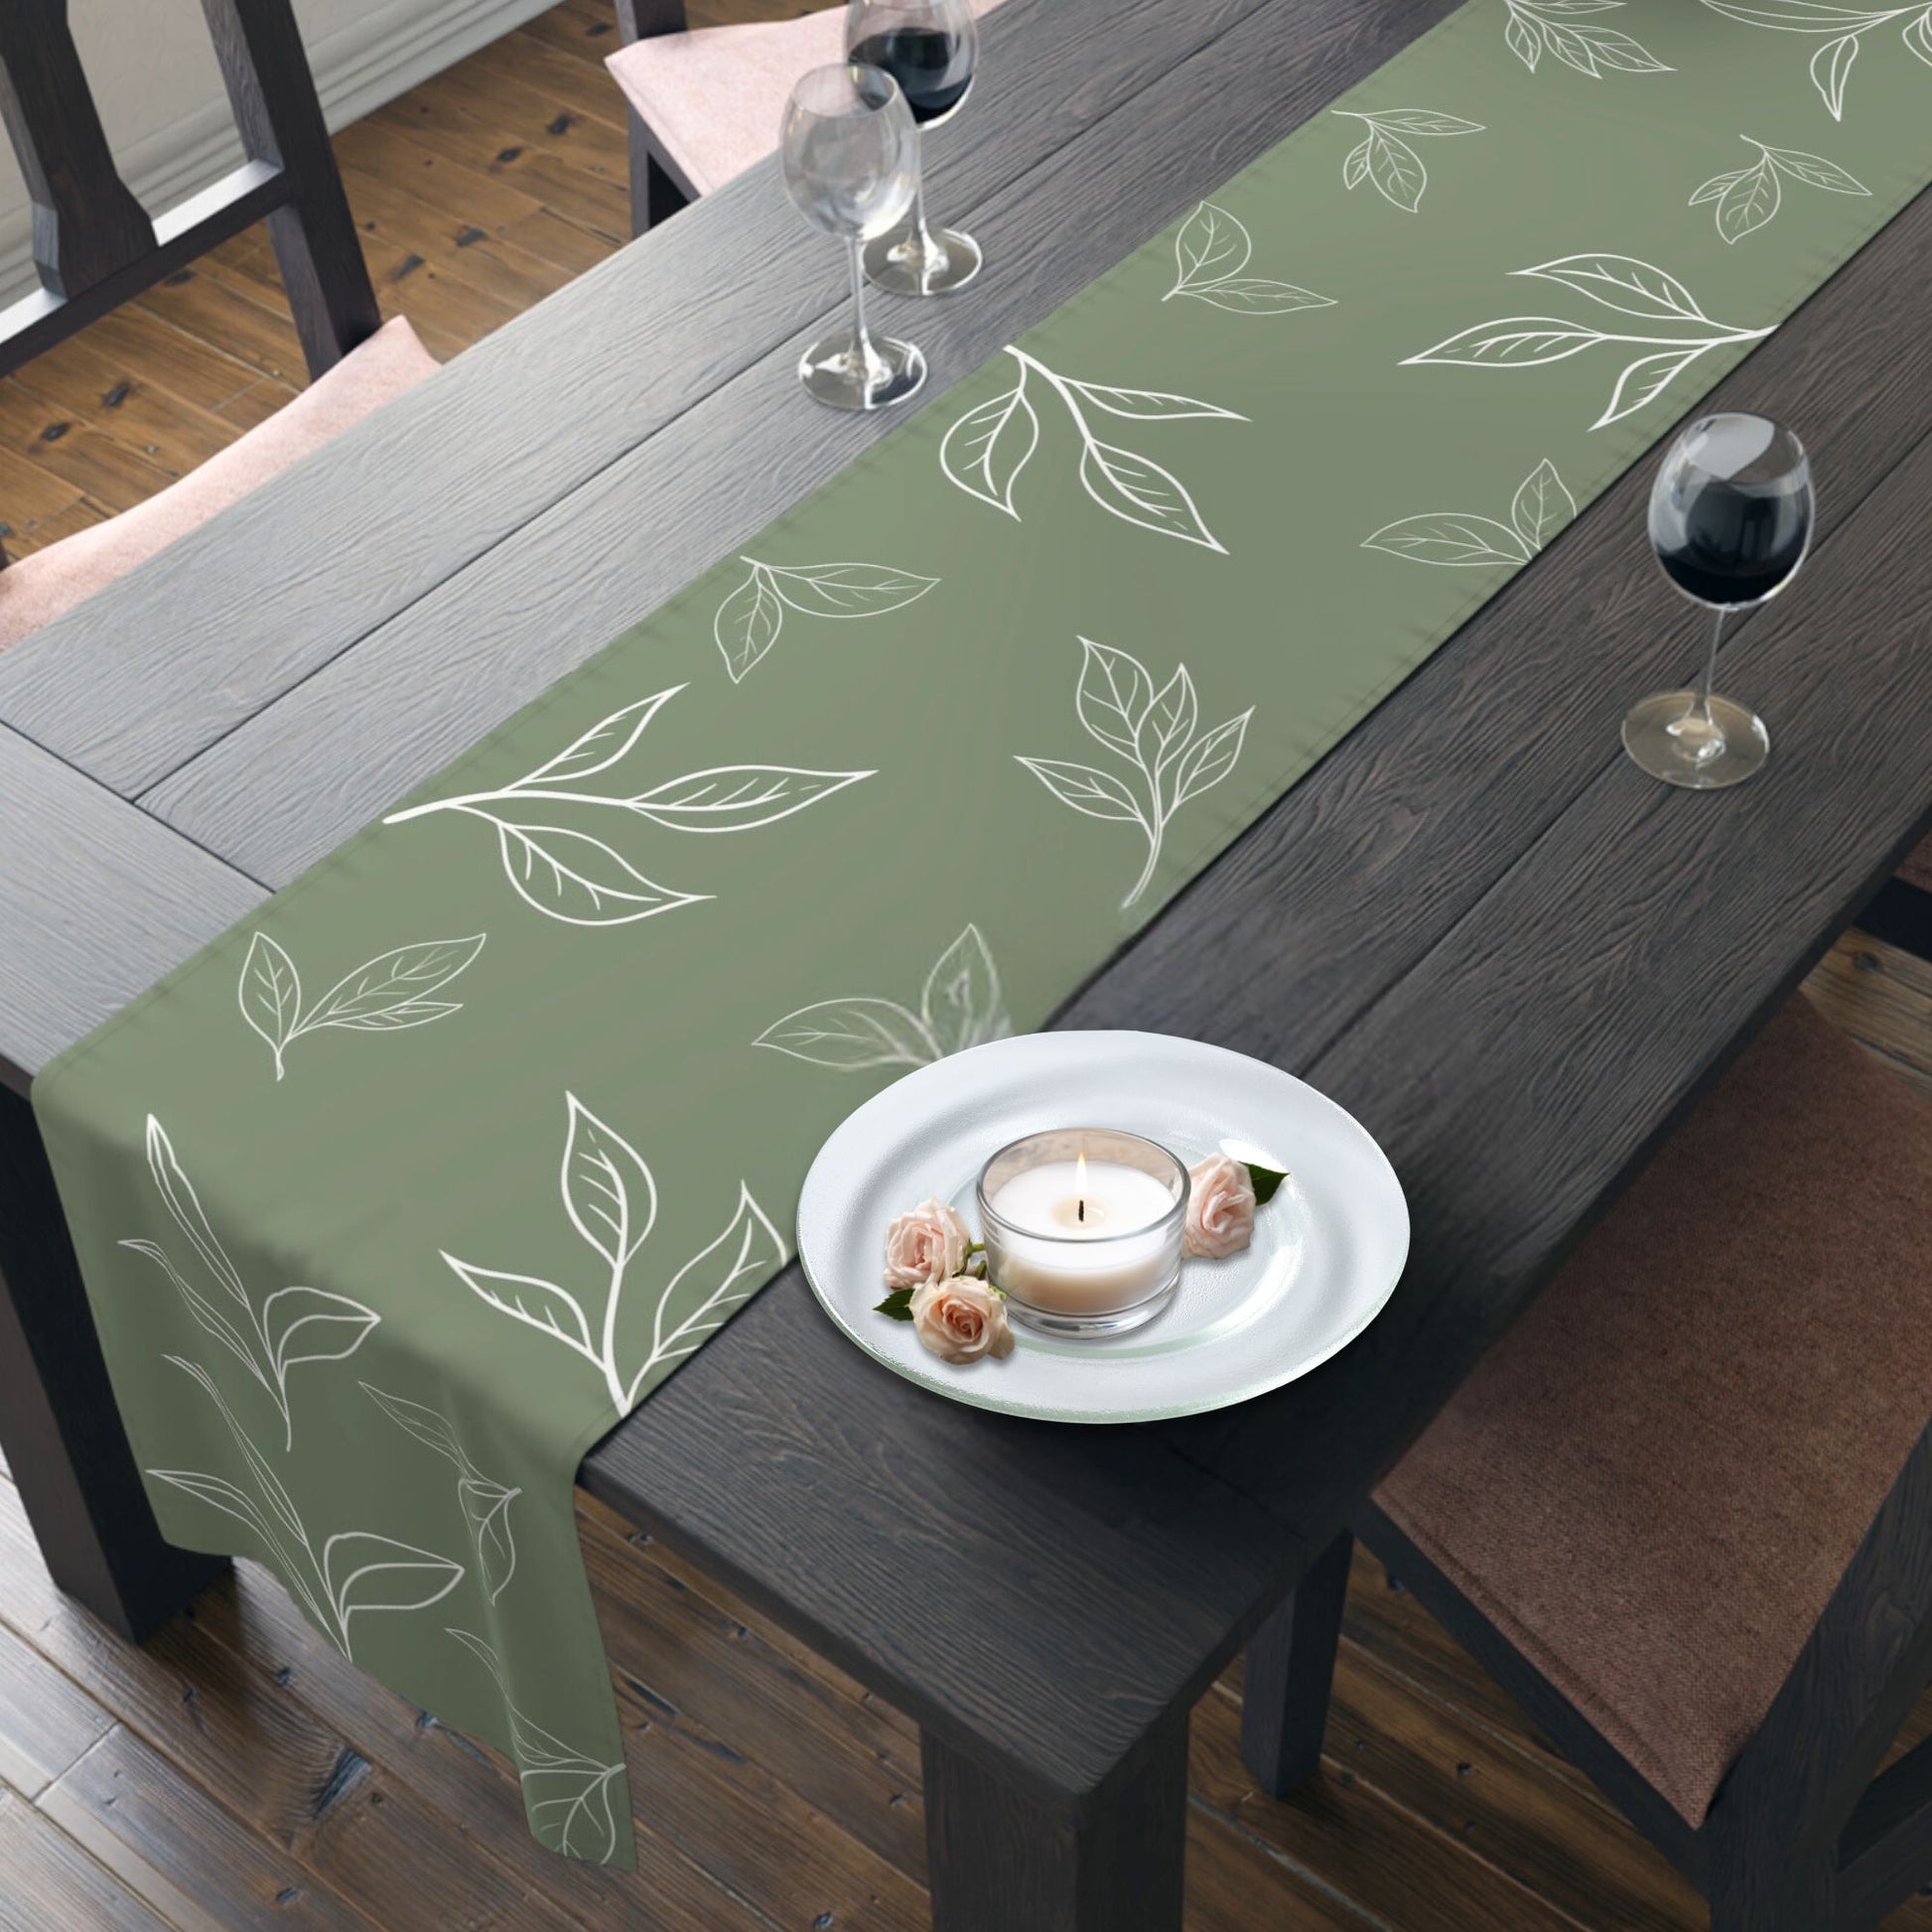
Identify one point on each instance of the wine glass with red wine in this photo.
(930, 48)
(1731, 518)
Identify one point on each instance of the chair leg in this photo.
(1290, 1669)
(655, 195)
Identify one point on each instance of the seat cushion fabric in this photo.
(1652, 1485)
(38, 588)
(1917, 870)
(714, 98)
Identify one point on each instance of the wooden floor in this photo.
(238, 1773)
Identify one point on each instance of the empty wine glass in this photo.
(851, 161)
(930, 48)
(1731, 518)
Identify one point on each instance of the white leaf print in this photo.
(1113, 694)
(1444, 537)
(1918, 35)
(541, 1305)
(1168, 763)
(1645, 380)
(1831, 68)
(1396, 168)
(366, 1572)
(311, 1325)
(1622, 283)
(1354, 167)
(1542, 505)
(986, 450)
(1096, 794)
(1715, 186)
(853, 1033)
(1795, 16)
(1522, 40)
(486, 1509)
(847, 590)
(270, 994)
(1136, 490)
(1421, 120)
(427, 1426)
(219, 1494)
(1168, 725)
(1209, 761)
(710, 1288)
(1750, 201)
(393, 1020)
(1249, 294)
(1815, 171)
(407, 974)
(748, 622)
(604, 745)
(609, 1193)
(205, 1313)
(1514, 341)
(273, 1493)
(185, 1206)
(573, 877)
(1148, 405)
(1211, 245)
(738, 797)
(961, 1006)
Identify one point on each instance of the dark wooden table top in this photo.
(1515, 958)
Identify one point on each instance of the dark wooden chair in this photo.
(96, 246)
(1900, 912)
(1683, 1512)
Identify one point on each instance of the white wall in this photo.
(160, 92)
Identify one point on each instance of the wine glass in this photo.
(851, 158)
(1731, 516)
(930, 48)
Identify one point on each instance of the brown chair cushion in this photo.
(38, 588)
(1917, 870)
(1655, 1481)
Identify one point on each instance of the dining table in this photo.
(1475, 924)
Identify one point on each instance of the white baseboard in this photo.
(359, 68)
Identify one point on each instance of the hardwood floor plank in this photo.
(199, 302)
(1879, 994)
(48, 1883)
(47, 1722)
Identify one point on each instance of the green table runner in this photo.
(398, 1197)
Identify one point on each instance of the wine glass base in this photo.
(1664, 734)
(836, 372)
(904, 262)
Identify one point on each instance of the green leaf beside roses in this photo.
(898, 1305)
(1266, 1181)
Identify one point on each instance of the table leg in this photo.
(58, 1422)
(999, 1859)
(1290, 1668)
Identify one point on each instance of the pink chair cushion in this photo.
(1917, 870)
(38, 588)
(1652, 1485)
(714, 98)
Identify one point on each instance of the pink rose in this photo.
(961, 1320)
(1221, 1208)
(927, 1245)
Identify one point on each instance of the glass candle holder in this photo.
(1083, 1230)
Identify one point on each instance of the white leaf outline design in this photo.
(576, 878)
(383, 995)
(586, 1800)
(1388, 160)
(310, 1576)
(1620, 283)
(1749, 196)
(374, 1555)
(262, 1342)
(1534, 25)
(1831, 63)
(1125, 484)
(961, 1006)
(484, 1504)
(589, 1327)
(1211, 248)
(1169, 761)
(752, 615)
(1447, 540)
(981, 457)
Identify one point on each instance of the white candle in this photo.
(1086, 1238)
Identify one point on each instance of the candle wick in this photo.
(1084, 1208)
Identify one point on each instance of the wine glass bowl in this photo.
(849, 154)
(932, 49)
(1730, 520)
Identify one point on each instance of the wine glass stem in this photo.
(1711, 668)
(920, 233)
(862, 336)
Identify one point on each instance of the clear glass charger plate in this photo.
(1327, 1252)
